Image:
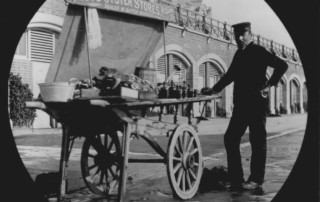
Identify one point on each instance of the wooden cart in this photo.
(104, 160)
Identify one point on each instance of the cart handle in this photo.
(100, 103)
(36, 105)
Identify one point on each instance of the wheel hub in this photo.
(191, 161)
(188, 161)
(104, 161)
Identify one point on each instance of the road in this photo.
(41, 152)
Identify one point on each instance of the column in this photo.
(276, 104)
(301, 99)
(288, 95)
(271, 100)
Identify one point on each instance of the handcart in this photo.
(120, 35)
(104, 160)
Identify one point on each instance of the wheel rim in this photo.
(184, 166)
(100, 163)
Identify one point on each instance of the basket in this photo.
(57, 92)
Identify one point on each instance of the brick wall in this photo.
(24, 69)
(54, 7)
(197, 46)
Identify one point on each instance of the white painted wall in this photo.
(39, 71)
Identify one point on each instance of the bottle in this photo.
(184, 90)
(163, 91)
(180, 92)
(177, 92)
(171, 90)
(189, 91)
(195, 93)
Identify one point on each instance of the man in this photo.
(251, 86)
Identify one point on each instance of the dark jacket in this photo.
(248, 72)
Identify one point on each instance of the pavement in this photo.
(151, 183)
(213, 126)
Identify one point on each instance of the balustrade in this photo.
(192, 20)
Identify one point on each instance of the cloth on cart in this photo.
(127, 42)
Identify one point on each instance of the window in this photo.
(22, 46)
(38, 45)
(208, 74)
(41, 46)
(179, 76)
(163, 73)
(161, 70)
(201, 81)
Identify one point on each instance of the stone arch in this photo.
(295, 94)
(282, 95)
(296, 77)
(46, 21)
(177, 50)
(211, 57)
(220, 67)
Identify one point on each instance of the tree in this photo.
(19, 94)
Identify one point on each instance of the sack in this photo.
(48, 183)
(214, 179)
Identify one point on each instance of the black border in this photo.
(300, 19)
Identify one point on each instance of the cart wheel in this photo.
(184, 162)
(100, 162)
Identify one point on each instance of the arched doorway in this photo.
(294, 96)
(282, 89)
(164, 71)
(305, 97)
(209, 75)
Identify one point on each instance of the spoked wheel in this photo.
(184, 166)
(100, 162)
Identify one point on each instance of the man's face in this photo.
(242, 38)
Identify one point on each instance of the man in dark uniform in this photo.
(251, 104)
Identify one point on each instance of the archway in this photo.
(282, 98)
(295, 96)
(209, 74)
(164, 71)
(305, 97)
(179, 77)
(210, 69)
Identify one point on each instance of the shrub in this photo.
(19, 94)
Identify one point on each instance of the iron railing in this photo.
(216, 29)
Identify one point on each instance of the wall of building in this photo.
(194, 47)
(54, 7)
(23, 68)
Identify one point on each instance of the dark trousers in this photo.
(253, 117)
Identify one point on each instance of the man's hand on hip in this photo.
(264, 92)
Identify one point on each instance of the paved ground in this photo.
(282, 153)
(149, 181)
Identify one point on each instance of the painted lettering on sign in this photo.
(134, 7)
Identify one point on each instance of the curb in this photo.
(207, 160)
(20, 132)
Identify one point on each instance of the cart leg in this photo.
(175, 117)
(161, 113)
(125, 153)
(63, 162)
(189, 107)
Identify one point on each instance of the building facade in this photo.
(201, 46)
